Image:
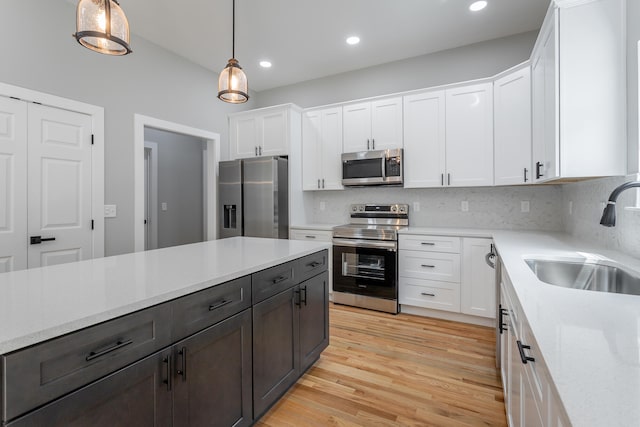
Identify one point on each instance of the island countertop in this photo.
(44, 303)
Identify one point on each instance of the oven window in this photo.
(365, 271)
(365, 168)
(365, 266)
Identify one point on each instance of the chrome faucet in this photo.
(609, 214)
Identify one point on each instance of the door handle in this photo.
(99, 353)
(256, 147)
(373, 144)
(524, 357)
(322, 182)
(318, 183)
(221, 304)
(279, 279)
(36, 240)
(303, 300)
(525, 175)
(183, 369)
(448, 179)
(260, 150)
(427, 266)
(538, 173)
(427, 294)
(368, 145)
(167, 361)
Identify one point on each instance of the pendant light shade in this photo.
(232, 84)
(102, 26)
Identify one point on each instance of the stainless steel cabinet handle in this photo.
(222, 303)
(427, 266)
(98, 353)
(426, 294)
(183, 369)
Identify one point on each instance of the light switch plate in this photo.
(163, 206)
(416, 206)
(110, 211)
(524, 206)
(464, 206)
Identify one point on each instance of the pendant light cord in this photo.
(233, 30)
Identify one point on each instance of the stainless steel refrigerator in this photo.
(253, 198)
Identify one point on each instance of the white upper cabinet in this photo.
(578, 83)
(512, 127)
(262, 132)
(469, 135)
(424, 139)
(373, 125)
(321, 149)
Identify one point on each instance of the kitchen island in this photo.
(96, 333)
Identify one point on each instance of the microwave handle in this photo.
(384, 168)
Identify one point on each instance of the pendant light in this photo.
(232, 84)
(102, 26)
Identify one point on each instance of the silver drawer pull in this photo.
(427, 266)
(116, 346)
(428, 243)
(220, 304)
(426, 294)
(279, 279)
(310, 237)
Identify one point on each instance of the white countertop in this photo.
(590, 341)
(43, 303)
(314, 226)
(448, 231)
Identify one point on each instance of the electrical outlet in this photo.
(570, 207)
(524, 206)
(464, 206)
(416, 206)
(163, 206)
(323, 205)
(110, 211)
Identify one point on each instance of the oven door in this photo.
(365, 267)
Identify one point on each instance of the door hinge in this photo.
(92, 139)
(92, 224)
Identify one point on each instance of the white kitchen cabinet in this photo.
(424, 139)
(469, 129)
(512, 127)
(263, 132)
(449, 137)
(321, 149)
(375, 125)
(478, 293)
(578, 88)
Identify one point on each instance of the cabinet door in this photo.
(516, 373)
(424, 140)
(537, 117)
(138, 395)
(311, 151)
(356, 131)
(478, 290)
(386, 124)
(243, 136)
(274, 134)
(275, 348)
(331, 149)
(213, 375)
(314, 319)
(512, 128)
(469, 128)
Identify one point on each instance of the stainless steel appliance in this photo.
(253, 196)
(378, 167)
(365, 257)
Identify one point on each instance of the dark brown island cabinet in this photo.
(218, 357)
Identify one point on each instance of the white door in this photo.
(424, 140)
(13, 184)
(512, 128)
(331, 148)
(244, 137)
(537, 117)
(470, 136)
(356, 121)
(386, 124)
(59, 182)
(310, 150)
(551, 131)
(274, 140)
(478, 294)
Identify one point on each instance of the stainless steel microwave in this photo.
(377, 167)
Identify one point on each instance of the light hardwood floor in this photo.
(403, 370)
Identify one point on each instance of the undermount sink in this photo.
(587, 275)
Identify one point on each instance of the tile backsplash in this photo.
(585, 199)
(489, 207)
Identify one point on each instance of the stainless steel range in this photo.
(365, 257)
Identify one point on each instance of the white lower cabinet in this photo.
(530, 399)
(316, 235)
(447, 273)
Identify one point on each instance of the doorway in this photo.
(210, 143)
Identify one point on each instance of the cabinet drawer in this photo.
(428, 294)
(202, 309)
(273, 280)
(46, 371)
(314, 235)
(429, 243)
(311, 265)
(430, 266)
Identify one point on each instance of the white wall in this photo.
(180, 186)
(39, 53)
(450, 66)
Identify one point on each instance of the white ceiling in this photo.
(305, 39)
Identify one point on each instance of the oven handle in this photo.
(362, 243)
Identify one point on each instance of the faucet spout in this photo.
(609, 214)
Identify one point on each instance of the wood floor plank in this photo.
(403, 370)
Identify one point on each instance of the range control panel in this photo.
(400, 209)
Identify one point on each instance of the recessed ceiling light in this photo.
(479, 5)
(353, 40)
(265, 64)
